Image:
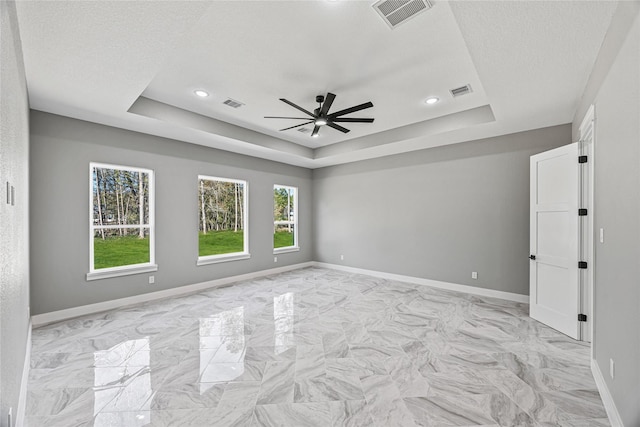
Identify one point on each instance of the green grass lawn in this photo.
(220, 242)
(282, 239)
(118, 251)
(127, 250)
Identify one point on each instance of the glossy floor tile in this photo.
(311, 347)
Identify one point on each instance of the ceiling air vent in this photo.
(395, 12)
(304, 130)
(233, 103)
(462, 90)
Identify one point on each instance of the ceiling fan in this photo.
(321, 116)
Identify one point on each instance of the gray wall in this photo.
(61, 149)
(437, 214)
(615, 90)
(14, 220)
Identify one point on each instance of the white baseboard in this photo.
(605, 395)
(24, 382)
(69, 313)
(433, 283)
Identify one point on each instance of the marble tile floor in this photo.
(311, 347)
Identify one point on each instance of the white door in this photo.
(553, 273)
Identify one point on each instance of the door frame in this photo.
(587, 140)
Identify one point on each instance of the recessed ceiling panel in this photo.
(258, 52)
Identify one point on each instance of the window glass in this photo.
(222, 216)
(121, 217)
(285, 233)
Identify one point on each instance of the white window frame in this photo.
(124, 270)
(296, 245)
(234, 256)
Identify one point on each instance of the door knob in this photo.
(532, 257)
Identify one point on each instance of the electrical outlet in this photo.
(275, 259)
(602, 235)
(341, 257)
(612, 369)
(474, 274)
(152, 280)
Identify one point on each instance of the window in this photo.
(285, 218)
(121, 221)
(222, 232)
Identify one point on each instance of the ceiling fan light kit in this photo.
(322, 117)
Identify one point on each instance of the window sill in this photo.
(215, 259)
(120, 271)
(286, 250)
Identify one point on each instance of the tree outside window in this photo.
(222, 217)
(121, 217)
(285, 221)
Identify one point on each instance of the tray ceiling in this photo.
(136, 65)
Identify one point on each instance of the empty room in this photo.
(319, 213)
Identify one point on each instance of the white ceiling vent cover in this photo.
(304, 130)
(462, 90)
(233, 103)
(395, 12)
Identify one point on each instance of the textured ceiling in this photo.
(135, 65)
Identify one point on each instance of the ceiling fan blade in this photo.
(337, 127)
(316, 129)
(350, 110)
(278, 117)
(351, 120)
(327, 104)
(296, 106)
(297, 126)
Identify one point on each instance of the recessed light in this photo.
(432, 100)
(201, 93)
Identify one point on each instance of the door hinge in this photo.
(582, 212)
(582, 264)
(582, 317)
(582, 159)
